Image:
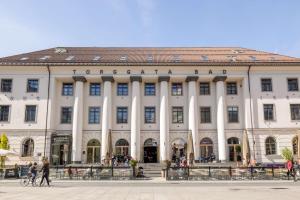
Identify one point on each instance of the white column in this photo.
(193, 114)
(77, 120)
(135, 117)
(164, 118)
(220, 117)
(106, 114)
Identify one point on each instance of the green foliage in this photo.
(133, 163)
(287, 154)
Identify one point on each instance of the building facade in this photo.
(75, 105)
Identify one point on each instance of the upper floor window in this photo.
(4, 113)
(270, 146)
(66, 115)
(122, 89)
(293, 84)
(30, 113)
(67, 89)
(233, 114)
(94, 115)
(295, 111)
(149, 89)
(149, 115)
(204, 88)
(122, 115)
(95, 89)
(32, 85)
(6, 85)
(266, 85)
(177, 89)
(268, 112)
(177, 115)
(205, 116)
(231, 88)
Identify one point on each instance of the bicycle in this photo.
(26, 180)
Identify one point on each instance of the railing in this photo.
(230, 173)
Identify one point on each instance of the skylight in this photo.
(204, 58)
(97, 58)
(60, 50)
(70, 58)
(149, 58)
(123, 58)
(45, 57)
(252, 58)
(24, 58)
(232, 58)
(176, 58)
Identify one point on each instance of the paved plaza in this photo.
(159, 190)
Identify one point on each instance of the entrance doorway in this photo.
(122, 149)
(150, 151)
(93, 151)
(178, 149)
(206, 148)
(234, 149)
(60, 149)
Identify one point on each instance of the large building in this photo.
(75, 104)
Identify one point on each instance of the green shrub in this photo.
(287, 154)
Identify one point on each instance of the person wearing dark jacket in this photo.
(45, 170)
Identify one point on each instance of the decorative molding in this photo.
(108, 78)
(79, 78)
(163, 78)
(191, 78)
(135, 78)
(219, 78)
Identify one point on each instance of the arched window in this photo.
(206, 147)
(233, 140)
(295, 145)
(270, 146)
(28, 148)
(234, 149)
(150, 142)
(93, 151)
(122, 147)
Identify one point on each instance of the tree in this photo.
(287, 154)
(3, 145)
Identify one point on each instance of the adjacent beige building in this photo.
(74, 104)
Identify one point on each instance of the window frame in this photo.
(148, 83)
(297, 85)
(122, 91)
(11, 86)
(201, 120)
(8, 116)
(36, 113)
(273, 110)
(176, 84)
(269, 145)
(236, 88)
(291, 114)
(62, 91)
(90, 89)
(204, 94)
(228, 118)
(38, 85)
(261, 85)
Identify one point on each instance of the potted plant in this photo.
(133, 164)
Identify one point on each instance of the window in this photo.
(122, 89)
(6, 85)
(149, 89)
(270, 146)
(94, 115)
(268, 112)
(295, 111)
(122, 115)
(233, 114)
(177, 89)
(4, 113)
(28, 148)
(66, 115)
(204, 88)
(231, 88)
(206, 147)
(67, 89)
(177, 115)
(122, 147)
(292, 84)
(266, 85)
(32, 85)
(295, 145)
(95, 89)
(149, 115)
(30, 113)
(205, 115)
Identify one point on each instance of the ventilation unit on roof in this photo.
(45, 57)
(70, 58)
(24, 58)
(96, 58)
(60, 50)
(123, 58)
(176, 58)
(204, 58)
(149, 58)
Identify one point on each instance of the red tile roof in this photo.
(148, 56)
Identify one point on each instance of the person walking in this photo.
(45, 170)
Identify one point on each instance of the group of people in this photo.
(33, 171)
(122, 160)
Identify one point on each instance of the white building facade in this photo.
(74, 105)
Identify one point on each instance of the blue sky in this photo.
(269, 25)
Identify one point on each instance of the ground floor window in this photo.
(61, 149)
(206, 148)
(122, 149)
(178, 149)
(270, 144)
(150, 151)
(93, 151)
(234, 149)
(28, 147)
